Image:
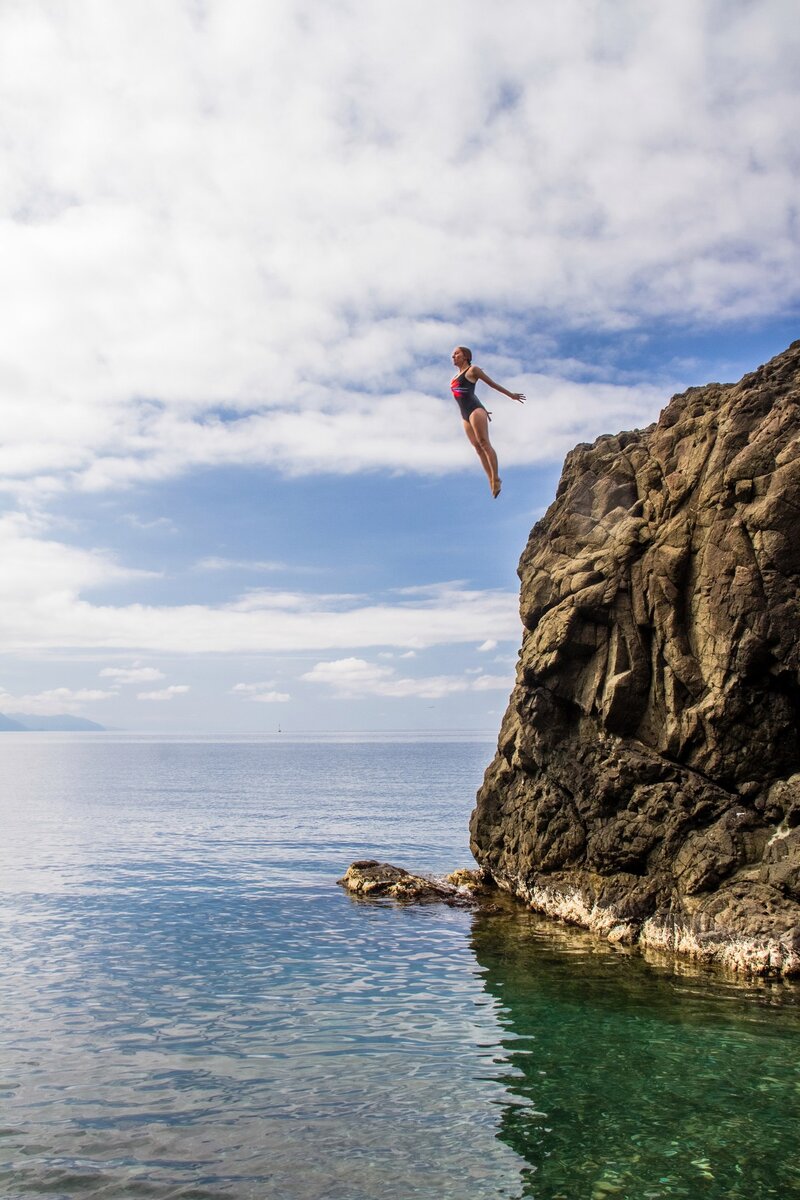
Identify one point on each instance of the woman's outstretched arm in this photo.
(481, 374)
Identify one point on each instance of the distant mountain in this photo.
(62, 723)
(6, 723)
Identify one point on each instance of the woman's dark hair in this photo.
(466, 352)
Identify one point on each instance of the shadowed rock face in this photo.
(647, 779)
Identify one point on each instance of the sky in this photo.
(240, 239)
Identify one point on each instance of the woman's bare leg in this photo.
(478, 433)
(470, 432)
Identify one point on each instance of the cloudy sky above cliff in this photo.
(239, 241)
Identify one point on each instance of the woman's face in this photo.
(459, 358)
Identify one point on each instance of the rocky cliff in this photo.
(647, 778)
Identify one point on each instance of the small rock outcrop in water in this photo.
(368, 877)
(647, 778)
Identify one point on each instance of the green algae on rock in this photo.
(647, 778)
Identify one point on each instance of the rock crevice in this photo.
(647, 778)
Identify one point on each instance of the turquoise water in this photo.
(192, 1008)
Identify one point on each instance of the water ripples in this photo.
(192, 1009)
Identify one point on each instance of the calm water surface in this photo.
(192, 1008)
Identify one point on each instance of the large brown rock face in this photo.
(647, 779)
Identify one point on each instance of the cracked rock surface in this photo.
(647, 777)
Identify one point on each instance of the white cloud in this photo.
(491, 683)
(44, 605)
(161, 524)
(37, 568)
(261, 693)
(230, 260)
(51, 702)
(233, 564)
(167, 693)
(132, 674)
(352, 678)
(489, 644)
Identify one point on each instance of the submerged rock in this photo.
(647, 779)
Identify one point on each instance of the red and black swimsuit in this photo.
(464, 391)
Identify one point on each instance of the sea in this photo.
(191, 1007)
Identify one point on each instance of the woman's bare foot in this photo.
(498, 483)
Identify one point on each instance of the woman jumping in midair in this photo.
(475, 416)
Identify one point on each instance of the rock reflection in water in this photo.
(627, 1079)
